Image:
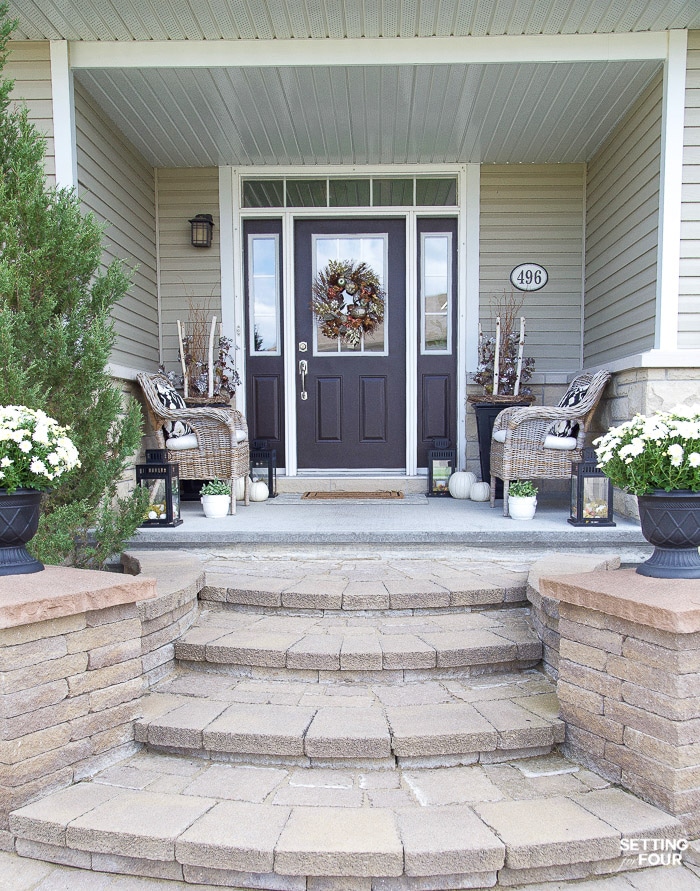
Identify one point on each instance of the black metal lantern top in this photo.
(202, 225)
(162, 480)
(591, 493)
(441, 465)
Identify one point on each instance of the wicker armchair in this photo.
(220, 453)
(522, 447)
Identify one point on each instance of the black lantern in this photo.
(202, 227)
(261, 455)
(591, 493)
(163, 483)
(441, 466)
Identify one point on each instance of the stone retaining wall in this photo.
(629, 675)
(545, 610)
(77, 650)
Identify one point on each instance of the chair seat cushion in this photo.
(189, 441)
(575, 394)
(560, 443)
(170, 398)
(178, 443)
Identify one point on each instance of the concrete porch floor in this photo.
(413, 520)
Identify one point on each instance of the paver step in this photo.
(246, 826)
(450, 643)
(219, 716)
(391, 583)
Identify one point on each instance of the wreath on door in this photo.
(348, 301)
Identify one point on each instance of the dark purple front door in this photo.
(354, 411)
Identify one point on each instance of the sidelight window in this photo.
(264, 295)
(436, 292)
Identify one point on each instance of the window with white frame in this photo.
(436, 292)
(264, 294)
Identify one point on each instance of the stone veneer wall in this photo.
(545, 610)
(77, 651)
(629, 670)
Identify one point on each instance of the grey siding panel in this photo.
(189, 276)
(689, 284)
(29, 66)
(534, 213)
(118, 187)
(622, 211)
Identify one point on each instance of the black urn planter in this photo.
(486, 414)
(671, 522)
(19, 520)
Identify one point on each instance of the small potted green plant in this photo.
(522, 500)
(216, 498)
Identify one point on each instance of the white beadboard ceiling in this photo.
(407, 114)
(285, 19)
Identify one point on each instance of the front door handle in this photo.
(303, 369)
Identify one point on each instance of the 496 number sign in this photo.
(529, 277)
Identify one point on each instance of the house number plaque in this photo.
(529, 277)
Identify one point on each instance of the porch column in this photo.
(670, 186)
(63, 108)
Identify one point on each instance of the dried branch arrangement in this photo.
(502, 369)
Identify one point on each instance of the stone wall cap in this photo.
(63, 591)
(666, 604)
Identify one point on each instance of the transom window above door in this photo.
(380, 191)
(369, 249)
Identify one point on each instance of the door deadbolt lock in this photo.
(303, 346)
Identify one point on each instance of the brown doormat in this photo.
(353, 495)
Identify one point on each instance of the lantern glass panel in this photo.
(157, 498)
(594, 504)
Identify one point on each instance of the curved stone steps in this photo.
(364, 585)
(486, 719)
(449, 643)
(537, 820)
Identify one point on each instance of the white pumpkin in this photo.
(480, 492)
(461, 483)
(240, 488)
(259, 491)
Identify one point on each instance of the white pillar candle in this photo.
(497, 356)
(212, 332)
(182, 359)
(521, 344)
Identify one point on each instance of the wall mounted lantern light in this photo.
(202, 225)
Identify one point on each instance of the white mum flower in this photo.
(694, 459)
(675, 452)
(25, 446)
(6, 462)
(38, 467)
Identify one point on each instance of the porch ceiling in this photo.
(283, 19)
(405, 114)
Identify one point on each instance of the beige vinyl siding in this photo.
(118, 186)
(534, 213)
(622, 214)
(29, 66)
(188, 275)
(689, 285)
